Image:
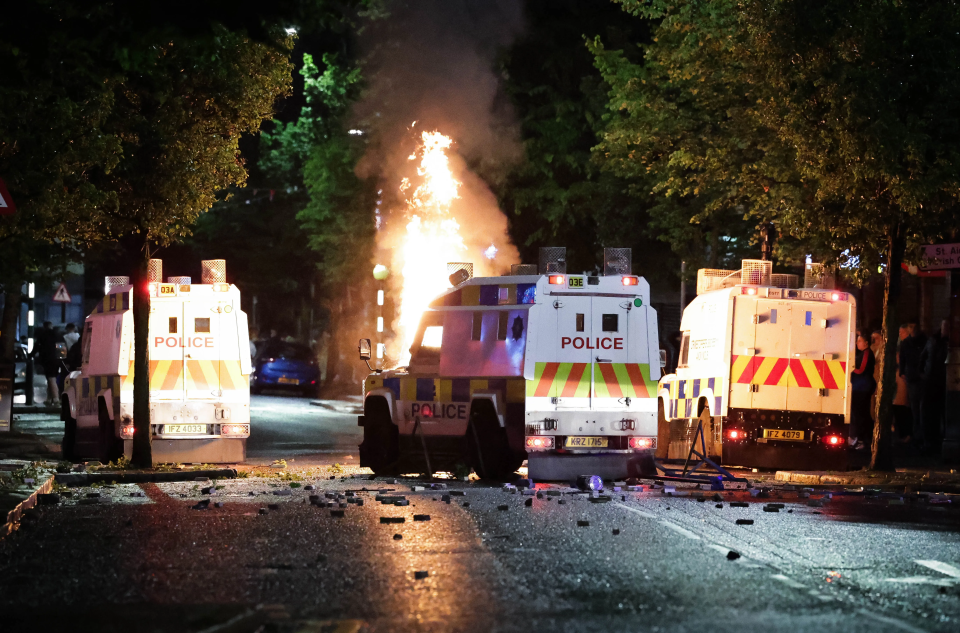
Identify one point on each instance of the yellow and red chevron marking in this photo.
(789, 372)
(555, 380)
(623, 380)
(169, 375)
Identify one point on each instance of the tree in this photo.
(838, 120)
(868, 95)
(338, 216)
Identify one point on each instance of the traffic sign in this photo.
(940, 256)
(7, 207)
(61, 295)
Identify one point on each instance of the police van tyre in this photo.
(380, 450)
(111, 446)
(488, 449)
(69, 445)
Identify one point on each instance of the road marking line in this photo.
(924, 580)
(793, 584)
(676, 528)
(903, 626)
(673, 526)
(645, 515)
(943, 568)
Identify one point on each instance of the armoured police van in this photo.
(199, 372)
(763, 369)
(557, 368)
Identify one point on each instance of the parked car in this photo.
(290, 366)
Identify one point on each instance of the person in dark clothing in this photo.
(49, 357)
(862, 385)
(910, 368)
(933, 361)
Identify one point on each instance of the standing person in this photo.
(903, 424)
(863, 385)
(49, 357)
(910, 368)
(70, 336)
(254, 335)
(934, 374)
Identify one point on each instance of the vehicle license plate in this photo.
(586, 442)
(283, 380)
(184, 429)
(784, 434)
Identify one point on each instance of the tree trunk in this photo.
(142, 453)
(882, 451)
(333, 348)
(8, 324)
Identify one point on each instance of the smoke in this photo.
(430, 66)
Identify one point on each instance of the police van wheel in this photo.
(380, 449)
(69, 445)
(488, 450)
(111, 446)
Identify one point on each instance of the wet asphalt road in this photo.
(153, 563)
(854, 564)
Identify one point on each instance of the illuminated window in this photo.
(433, 337)
(201, 326)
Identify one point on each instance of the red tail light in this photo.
(641, 443)
(235, 429)
(748, 290)
(539, 443)
(126, 431)
(631, 281)
(833, 440)
(556, 280)
(735, 434)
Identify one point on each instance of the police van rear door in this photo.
(572, 384)
(622, 364)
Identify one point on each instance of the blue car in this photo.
(290, 366)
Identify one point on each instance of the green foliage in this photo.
(559, 194)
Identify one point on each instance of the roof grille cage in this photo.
(553, 259)
(710, 279)
(756, 272)
(523, 269)
(459, 272)
(180, 281)
(109, 283)
(784, 281)
(214, 271)
(818, 276)
(155, 270)
(617, 261)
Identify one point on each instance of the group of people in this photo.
(918, 406)
(57, 352)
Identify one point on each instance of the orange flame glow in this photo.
(432, 237)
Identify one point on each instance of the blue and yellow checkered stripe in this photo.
(685, 393)
(412, 388)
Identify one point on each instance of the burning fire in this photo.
(432, 238)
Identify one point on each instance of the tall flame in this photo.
(433, 236)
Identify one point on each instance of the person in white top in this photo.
(70, 336)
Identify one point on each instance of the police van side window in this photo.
(684, 349)
(611, 323)
(87, 337)
(201, 326)
(173, 325)
(477, 326)
(502, 325)
(580, 325)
